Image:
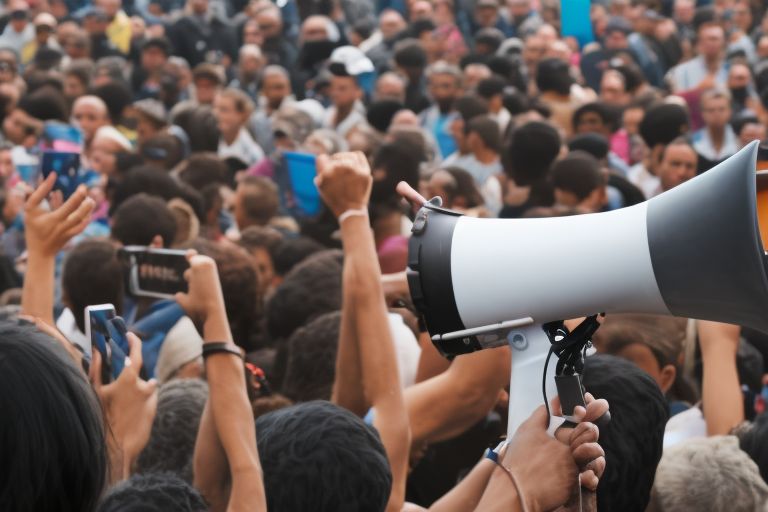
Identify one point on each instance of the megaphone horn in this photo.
(694, 251)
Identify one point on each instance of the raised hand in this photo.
(204, 295)
(344, 181)
(48, 231)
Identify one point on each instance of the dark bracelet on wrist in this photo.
(210, 349)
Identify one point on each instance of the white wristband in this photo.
(352, 213)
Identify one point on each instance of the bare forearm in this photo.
(500, 495)
(38, 290)
(467, 494)
(431, 363)
(347, 391)
(210, 464)
(722, 400)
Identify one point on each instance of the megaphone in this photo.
(694, 251)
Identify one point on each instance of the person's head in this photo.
(678, 164)
(232, 108)
(90, 113)
(519, 9)
(593, 118)
(116, 94)
(530, 152)
(256, 202)
(475, 73)
(444, 84)
(198, 7)
(252, 33)
(19, 15)
(710, 42)
(345, 91)
(390, 86)
(483, 135)
(456, 187)
(107, 143)
(151, 119)
(660, 125)
(154, 54)
(311, 288)
(171, 444)
(391, 23)
(208, 80)
(613, 89)
(653, 343)
(150, 180)
(749, 130)
(77, 78)
(333, 459)
(553, 75)
(683, 11)
(144, 220)
(739, 77)
(492, 91)
(716, 108)
(153, 492)
(92, 275)
(19, 127)
(318, 28)
(311, 359)
(250, 61)
(633, 440)
(410, 59)
(708, 474)
(395, 161)
(45, 26)
(262, 244)
(270, 21)
(486, 13)
(275, 85)
(203, 169)
(51, 419)
(239, 287)
(9, 65)
(467, 108)
(579, 182)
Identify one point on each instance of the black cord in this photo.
(544, 384)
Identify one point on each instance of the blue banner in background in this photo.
(575, 21)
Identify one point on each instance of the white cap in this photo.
(352, 60)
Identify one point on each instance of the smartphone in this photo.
(302, 169)
(107, 333)
(156, 273)
(66, 165)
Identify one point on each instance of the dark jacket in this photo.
(196, 39)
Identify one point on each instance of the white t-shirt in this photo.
(243, 147)
(688, 424)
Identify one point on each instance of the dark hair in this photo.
(465, 186)
(554, 75)
(578, 173)
(239, 285)
(754, 441)
(293, 251)
(161, 43)
(256, 237)
(260, 200)
(153, 492)
(490, 87)
(662, 124)
(596, 107)
(487, 128)
(92, 275)
(332, 460)
(52, 433)
(163, 149)
(420, 26)
(409, 53)
(38, 78)
(470, 106)
(45, 104)
(203, 130)
(400, 160)
(203, 169)
(155, 182)
(311, 359)
(171, 444)
(516, 101)
(117, 97)
(530, 152)
(82, 69)
(309, 290)
(141, 218)
(593, 143)
(633, 440)
(381, 112)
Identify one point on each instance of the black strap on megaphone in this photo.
(570, 348)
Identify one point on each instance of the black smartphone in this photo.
(66, 164)
(107, 332)
(156, 273)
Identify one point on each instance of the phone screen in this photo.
(157, 273)
(66, 165)
(108, 334)
(302, 169)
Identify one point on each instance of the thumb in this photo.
(537, 420)
(321, 162)
(135, 351)
(95, 372)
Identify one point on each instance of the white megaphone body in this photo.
(695, 251)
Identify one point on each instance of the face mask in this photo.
(739, 94)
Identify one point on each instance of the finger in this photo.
(588, 398)
(578, 413)
(597, 466)
(191, 253)
(76, 217)
(321, 163)
(182, 299)
(362, 161)
(134, 344)
(410, 194)
(76, 230)
(41, 192)
(554, 404)
(584, 433)
(586, 453)
(95, 373)
(73, 203)
(589, 480)
(596, 409)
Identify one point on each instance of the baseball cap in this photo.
(152, 109)
(349, 61)
(618, 24)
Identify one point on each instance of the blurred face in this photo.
(762, 48)
(269, 23)
(519, 8)
(252, 34)
(405, 118)
(612, 90)
(684, 11)
(111, 7)
(15, 124)
(103, 155)
(677, 166)
(457, 132)
(616, 40)
(443, 88)
(711, 41)
(716, 112)
(591, 122)
(631, 120)
(390, 24)
(533, 51)
(643, 358)
(250, 65)
(422, 10)
(144, 129)
(198, 7)
(344, 91)
(474, 74)
(275, 89)
(438, 183)
(265, 269)
(486, 16)
(6, 164)
(389, 86)
(314, 29)
(742, 16)
(230, 120)
(7, 67)
(750, 132)
(73, 87)
(89, 117)
(153, 59)
(738, 76)
(205, 90)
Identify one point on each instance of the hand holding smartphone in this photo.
(66, 165)
(108, 334)
(155, 273)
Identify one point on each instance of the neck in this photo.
(712, 62)
(342, 112)
(717, 134)
(485, 156)
(230, 137)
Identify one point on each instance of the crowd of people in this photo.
(268, 140)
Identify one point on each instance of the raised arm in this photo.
(227, 400)
(345, 181)
(46, 233)
(721, 397)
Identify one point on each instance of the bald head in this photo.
(90, 113)
(391, 23)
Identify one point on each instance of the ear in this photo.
(667, 377)
(157, 242)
